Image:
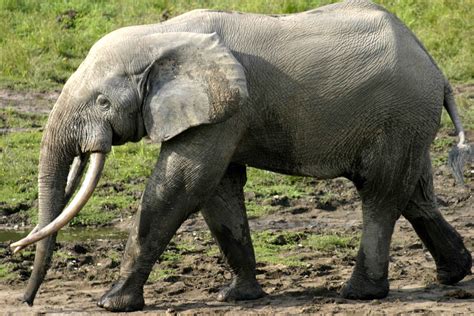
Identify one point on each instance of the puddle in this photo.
(71, 234)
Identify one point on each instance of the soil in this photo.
(76, 281)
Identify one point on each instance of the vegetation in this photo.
(285, 247)
(43, 42)
(6, 272)
(18, 187)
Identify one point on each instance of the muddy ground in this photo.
(79, 278)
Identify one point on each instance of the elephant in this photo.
(345, 90)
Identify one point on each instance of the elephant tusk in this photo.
(87, 188)
(31, 233)
(74, 176)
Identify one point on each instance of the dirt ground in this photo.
(75, 283)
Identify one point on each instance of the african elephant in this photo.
(342, 91)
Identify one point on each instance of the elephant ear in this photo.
(193, 80)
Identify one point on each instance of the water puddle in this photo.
(70, 234)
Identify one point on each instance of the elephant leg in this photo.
(369, 278)
(453, 260)
(188, 170)
(385, 182)
(140, 255)
(226, 217)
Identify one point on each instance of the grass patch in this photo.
(266, 183)
(6, 271)
(43, 42)
(65, 256)
(10, 118)
(285, 247)
(440, 149)
(158, 274)
(256, 209)
(442, 144)
(170, 258)
(267, 191)
(18, 187)
(115, 256)
(329, 243)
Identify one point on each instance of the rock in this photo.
(177, 288)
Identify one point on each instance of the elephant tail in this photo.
(462, 151)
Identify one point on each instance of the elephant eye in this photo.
(103, 102)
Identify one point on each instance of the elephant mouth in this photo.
(117, 139)
(88, 186)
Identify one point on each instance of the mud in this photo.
(85, 269)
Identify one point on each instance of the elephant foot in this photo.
(118, 299)
(456, 270)
(365, 289)
(241, 291)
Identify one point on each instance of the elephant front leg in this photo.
(155, 224)
(226, 217)
(369, 279)
(188, 171)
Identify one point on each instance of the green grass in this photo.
(268, 188)
(114, 256)
(256, 209)
(329, 243)
(6, 272)
(19, 154)
(158, 274)
(266, 183)
(285, 247)
(9, 117)
(171, 257)
(289, 248)
(64, 255)
(43, 42)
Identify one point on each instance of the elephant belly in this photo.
(293, 152)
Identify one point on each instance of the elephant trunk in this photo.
(53, 172)
(54, 189)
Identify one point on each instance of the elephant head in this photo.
(130, 85)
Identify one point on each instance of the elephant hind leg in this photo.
(385, 182)
(453, 260)
(226, 217)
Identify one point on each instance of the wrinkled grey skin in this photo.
(342, 91)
